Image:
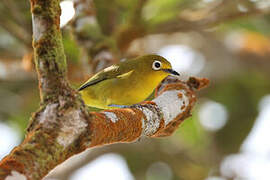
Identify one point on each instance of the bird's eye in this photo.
(156, 65)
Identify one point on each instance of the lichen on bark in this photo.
(49, 53)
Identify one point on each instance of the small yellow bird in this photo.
(126, 83)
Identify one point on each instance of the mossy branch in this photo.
(65, 131)
(49, 53)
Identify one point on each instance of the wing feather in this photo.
(107, 73)
(122, 70)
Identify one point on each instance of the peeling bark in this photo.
(63, 127)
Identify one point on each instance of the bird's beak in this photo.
(171, 71)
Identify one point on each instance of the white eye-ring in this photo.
(156, 65)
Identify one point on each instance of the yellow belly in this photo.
(119, 92)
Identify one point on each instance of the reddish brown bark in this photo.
(54, 139)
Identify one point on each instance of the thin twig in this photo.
(181, 25)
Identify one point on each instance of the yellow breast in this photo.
(121, 91)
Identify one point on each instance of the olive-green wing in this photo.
(109, 73)
(91, 82)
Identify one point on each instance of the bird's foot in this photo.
(119, 106)
(123, 106)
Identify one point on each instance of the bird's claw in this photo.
(119, 106)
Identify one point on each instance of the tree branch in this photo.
(63, 132)
(181, 24)
(15, 12)
(88, 33)
(48, 49)
(16, 31)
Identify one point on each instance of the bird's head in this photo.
(158, 65)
